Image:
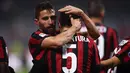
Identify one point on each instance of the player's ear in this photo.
(36, 21)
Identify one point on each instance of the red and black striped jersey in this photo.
(123, 53)
(35, 45)
(3, 50)
(107, 41)
(78, 56)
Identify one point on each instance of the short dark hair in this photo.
(94, 9)
(64, 19)
(46, 5)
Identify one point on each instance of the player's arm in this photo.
(112, 62)
(62, 38)
(92, 30)
(119, 56)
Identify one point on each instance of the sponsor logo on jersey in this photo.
(42, 35)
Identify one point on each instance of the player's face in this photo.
(46, 21)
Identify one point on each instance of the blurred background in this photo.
(16, 25)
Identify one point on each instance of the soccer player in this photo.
(108, 39)
(46, 39)
(121, 58)
(80, 55)
(3, 57)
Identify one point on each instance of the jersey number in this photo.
(73, 58)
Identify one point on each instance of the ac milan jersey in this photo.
(123, 53)
(107, 41)
(35, 45)
(78, 56)
(3, 50)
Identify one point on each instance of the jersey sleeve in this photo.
(123, 52)
(35, 44)
(36, 39)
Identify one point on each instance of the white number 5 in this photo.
(73, 58)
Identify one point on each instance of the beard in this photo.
(50, 30)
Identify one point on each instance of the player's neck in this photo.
(97, 20)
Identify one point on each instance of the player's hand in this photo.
(76, 23)
(71, 10)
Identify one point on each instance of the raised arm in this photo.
(92, 30)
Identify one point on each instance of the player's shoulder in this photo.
(38, 34)
(112, 31)
(128, 39)
(125, 41)
(111, 28)
(124, 44)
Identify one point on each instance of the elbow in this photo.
(96, 36)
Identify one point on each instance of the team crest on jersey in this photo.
(42, 35)
(123, 42)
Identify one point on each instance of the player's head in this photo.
(46, 5)
(65, 22)
(45, 17)
(96, 9)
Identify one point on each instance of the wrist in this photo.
(81, 13)
(76, 28)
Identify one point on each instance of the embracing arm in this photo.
(62, 38)
(112, 62)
